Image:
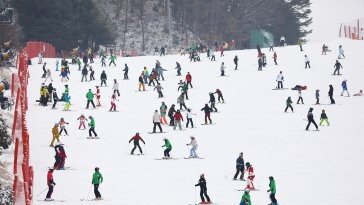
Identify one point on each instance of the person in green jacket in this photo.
(96, 181)
(112, 59)
(168, 146)
(289, 104)
(245, 199)
(272, 190)
(184, 89)
(92, 127)
(90, 98)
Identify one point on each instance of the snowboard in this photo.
(223, 76)
(156, 132)
(166, 158)
(140, 91)
(92, 137)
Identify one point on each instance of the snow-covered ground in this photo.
(321, 168)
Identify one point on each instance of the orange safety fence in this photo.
(352, 29)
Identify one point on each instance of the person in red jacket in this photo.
(189, 79)
(61, 154)
(249, 182)
(136, 139)
(219, 95)
(50, 184)
(275, 58)
(177, 120)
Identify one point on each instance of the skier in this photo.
(184, 89)
(222, 69)
(239, 167)
(171, 112)
(84, 74)
(324, 118)
(159, 90)
(78, 63)
(331, 94)
(82, 120)
(160, 70)
(90, 98)
(97, 179)
(189, 118)
(272, 189)
(115, 87)
(324, 49)
(112, 60)
(288, 104)
(48, 75)
(103, 78)
(181, 102)
(135, 140)
(207, 111)
(307, 62)
(126, 70)
(85, 60)
(177, 120)
(280, 80)
(219, 96)
(245, 199)
(92, 73)
(157, 121)
(98, 96)
(141, 83)
(282, 41)
(213, 56)
(92, 127)
(67, 100)
(299, 42)
(145, 74)
(57, 157)
(62, 124)
(212, 101)
(113, 103)
(152, 77)
(162, 51)
(103, 61)
(62, 157)
(341, 52)
(163, 111)
(251, 176)
(55, 134)
(168, 146)
(345, 88)
(203, 190)
(275, 58)
(311, 120)
(55, 98)
(236, 62)
(317, 95)
(193, 149)
(337, 67)
(264, 59)
(189, 79)
(260, 64)
(51, 184)
(40, 58)
(299, 89)
(63, 74)
(178, 69)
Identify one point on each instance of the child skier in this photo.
(251, 176)
(193, 144)
(189, 118)
(112, 60)
(113, 103)
(177, 120)
(288, 104)
(135, 140)
(97, 179)
(48, 75)
(50, 184)
(98, 96)
(82, 120)
(178, 69)
(115, 87)
(163, 111)
(317, 95)
(168, 147)
(245, 199)
(299, 89)
(55, 134)
(324, 118)
(62, 124)
(159, 90)
(311, 120)
(222, 69)
(203, 190)
(103, 78)
(92, 127)
(67, 100)
(239, 167)
(62, 157)
(272, 190)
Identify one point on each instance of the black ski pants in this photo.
(90, 131)
(273, 199)
(188, 121)
(88, 103)
(96, 191)
(135, 146)
(166, 152)
(50, 191)
(203, 192)
(155, 126)
(309, 123)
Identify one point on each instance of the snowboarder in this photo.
(126, 70)
(103, 78)
(311, 120)
(141, 83)
(171, 112)
(115, 87)
(299, 89)
(189, 79)
(251, 176)
(55, 98)
(135, 140)
(55, 134)
(324, 49)
(272, 189)
(236, 62)
(222, 69)
(193, 149)
(112, 60)
(177, 120)
(341, 52)
(159, 90)
(168, 147)
(317, 95)
(207, 111)
(113, 103)
(345, 88)
(245, 199)
(288, 104)
(157, 121)
(203, 190)
(98, 96)
(275, 58)
(280, 80)
(239, 167)
(84, 74)
(324, 118)
(92, 127)
(189, 118)
(337, 67)
(62, 124)
(82, 120)
(219, 96)
(178, 69)
(163, 111)
(307, 62)
(90, 98)
(62, 157)
(50, 184)
(331, 94)
(97, 179)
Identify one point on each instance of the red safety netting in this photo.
(34, 48)
(352, 29)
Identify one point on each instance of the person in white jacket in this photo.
(48, 75)
(115, 87)
(157, 121)
(193, 149)
(341, 52)
(280, 80)
(222, 69)
(189, 118)
(307, 62)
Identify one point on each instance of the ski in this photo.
(209, 124)
(247, 189)
(280, 89)
(64, 168)
(171, 158)
(140, 91)
(194, 158)
(156, 132)
(53, 200)
(223, 76)
(92, 137)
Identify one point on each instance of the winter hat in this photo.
(271, 178)
(97, 169)
(247, 164)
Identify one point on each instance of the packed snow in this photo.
(309, 167)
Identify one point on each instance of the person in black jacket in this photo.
(135, 140)
(203, 189)
(126, 70)
(207, 111)
(92, 73)
(84, 73)
(239, 167)
(212, 101)
(55, 98)
(103, 78)
(50, 90)
(311, 120)
(171, 112)
(141, 82)
(236, 62)
(337, 67)
(85, 59)
(331, 94)
(178, 69)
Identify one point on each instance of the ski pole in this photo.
(42, 191)
(145, 149)
(228, 174)
(195, 196)
(88, 194)
(126, 149)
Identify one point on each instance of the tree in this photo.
(5, 139)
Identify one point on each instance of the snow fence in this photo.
(352, 29)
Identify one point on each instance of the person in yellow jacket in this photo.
(55, 133)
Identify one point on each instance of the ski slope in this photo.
(321, 168)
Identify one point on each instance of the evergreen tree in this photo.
(5, 139)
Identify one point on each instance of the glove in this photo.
(54, 183)
(187, 144)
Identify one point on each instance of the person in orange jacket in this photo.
(55, 134)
